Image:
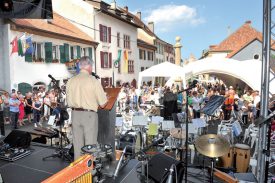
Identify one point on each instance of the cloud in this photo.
(171, 14)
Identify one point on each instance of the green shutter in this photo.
(28, 57)
(62, 54)
(48, 52)
(67, 55)
(90, 50)
(78, 51)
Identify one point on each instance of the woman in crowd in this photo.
(21, 110)
(28, 106)
(47, 104)
(36, 105)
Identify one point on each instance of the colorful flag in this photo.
(14, 45)
(20, 48)
(28, 46)
(116, 62)
(23, 41)
(126, 61)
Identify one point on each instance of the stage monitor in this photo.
(26, 9)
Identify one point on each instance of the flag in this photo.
(28, 46)
(23, 41)
(126, 61)
(14, 45)
(118, 59)
(20, 48)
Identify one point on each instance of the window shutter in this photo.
(110, 34)
(111, 83)
(28, 57)
(66, 50)
(48, 52)
(102, 59)
(90, 50)
(101, 32)
(62, 53)
(110, 60)
(78, 54)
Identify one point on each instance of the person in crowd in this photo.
(21, 110)
(170, 103)
(36, 105)
(197, 100)
(28, 106)
(228, 104)
(2, 124)
(122, 98)
(133, 98)
(47, 106)
(14, 110)
(6, 108)
(84, 95)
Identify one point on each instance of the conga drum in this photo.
(226, 161)
(242, 153)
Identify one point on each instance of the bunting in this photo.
(20, 48)
(126, 61)
(116, 62)
(14, 44)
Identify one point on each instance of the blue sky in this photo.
(199, 23)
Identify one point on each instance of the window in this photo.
(130, 66)
(38, 51)
(127, 41)
(150, 55)
(55, 52)
(141, 69)
(105, 33)
(72, 52)
(106, 59)
(118, 39)
(256, 56)
(142, 54)
(167, 58)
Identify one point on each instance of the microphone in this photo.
(52, 78)
(170, 177)
(119, 162)
(95, 75)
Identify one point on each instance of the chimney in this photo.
(138, 15)
(151, 26)
(113, 5)
(248, 22)
(126, 8)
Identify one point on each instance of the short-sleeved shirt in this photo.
(85, 91)
(14, 108)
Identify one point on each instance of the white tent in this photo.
(165, 69)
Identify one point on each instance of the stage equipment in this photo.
(78, 171)
(18, 138)
(213, 104)
(242, 153)
(133, 139)
(226, 161)
(12, 154)
(212, 146)
(158, 168)
(98, 150)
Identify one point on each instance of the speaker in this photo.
(17, 138)
(159, 165)
(129, 173)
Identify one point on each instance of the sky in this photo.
(199, 23)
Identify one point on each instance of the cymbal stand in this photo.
(212, 171)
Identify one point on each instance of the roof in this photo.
(238, 40)
(144, 44)
(117, 13)
(57, 26)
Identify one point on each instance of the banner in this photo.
(14, 44)
(116, 62)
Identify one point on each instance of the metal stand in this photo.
(212, 171)
(61, 152)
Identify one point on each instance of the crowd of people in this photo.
(33, 107)
(242, 103)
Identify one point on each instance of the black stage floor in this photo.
(31, 169)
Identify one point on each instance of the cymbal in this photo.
(178, 133)
(212, 145)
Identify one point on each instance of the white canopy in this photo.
(165, 69)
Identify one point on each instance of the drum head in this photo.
(242, 146)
